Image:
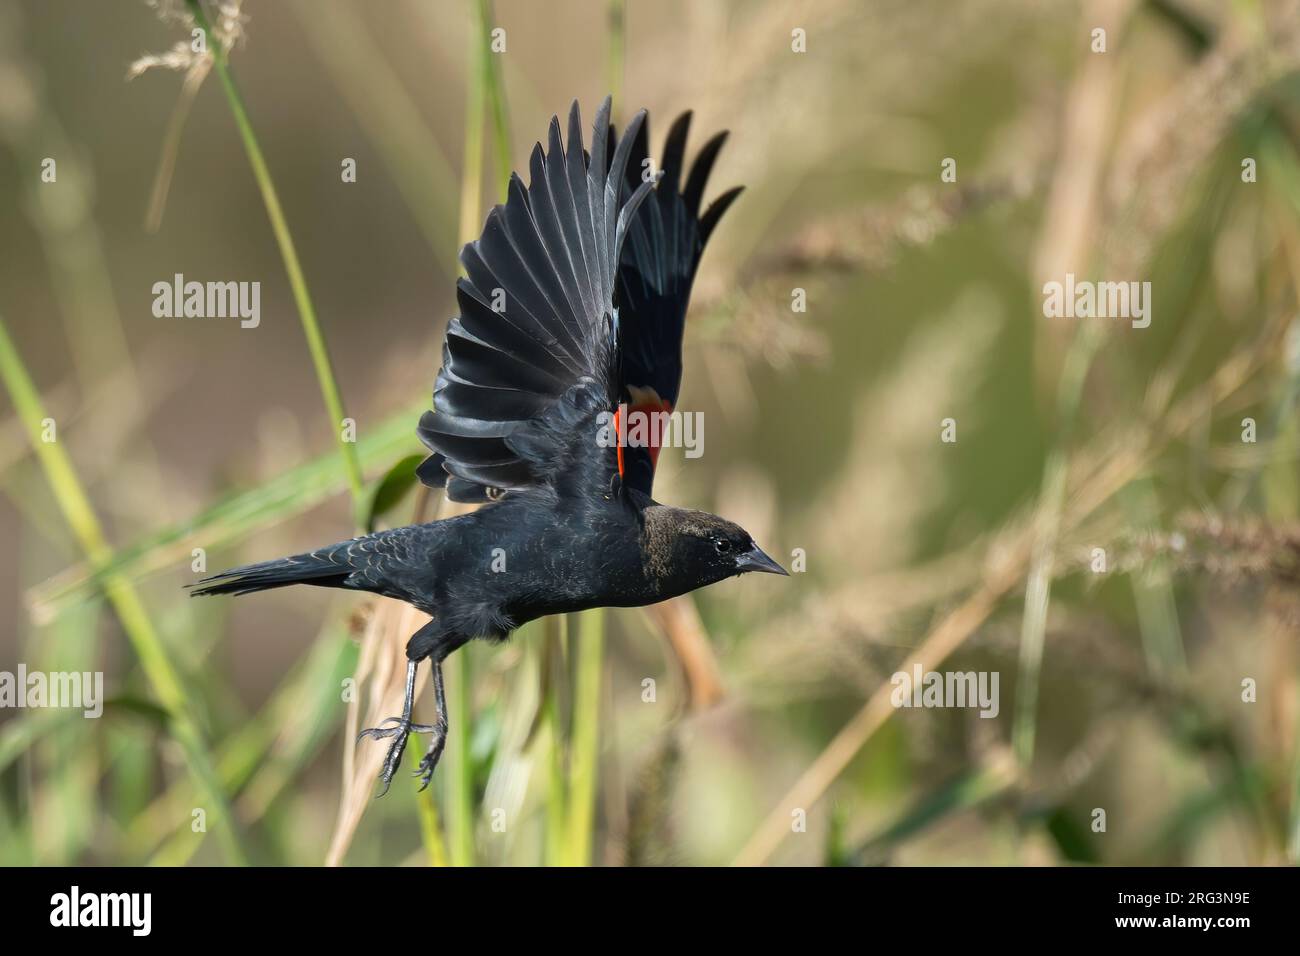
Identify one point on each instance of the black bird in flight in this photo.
(571, 317)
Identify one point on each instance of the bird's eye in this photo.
(721, 545)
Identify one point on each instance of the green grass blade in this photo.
(1038, 588)
(496, 99)
(130, 610)
(459, 763)
(616, 16)
(965, 792)
(584, 755)
(18, 735)
(391, 118)
(552, 739)
(268, 753)
(301, 296)
(238, 514)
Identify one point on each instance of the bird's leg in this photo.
(430, 761)
(402, 726)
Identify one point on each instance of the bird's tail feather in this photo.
(316, 568)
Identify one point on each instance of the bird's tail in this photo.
(322, 568)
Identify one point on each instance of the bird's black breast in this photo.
(529, 556)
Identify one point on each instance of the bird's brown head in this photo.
(685, 550)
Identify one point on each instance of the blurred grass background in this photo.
(1119, 690)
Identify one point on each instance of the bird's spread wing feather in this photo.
(660, 257)
(558, 309)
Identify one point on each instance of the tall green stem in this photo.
(1038, 588)
(615, 55)
(584, 755)
(494, 77)
(301, 296)
(81, 518)
(557, 794)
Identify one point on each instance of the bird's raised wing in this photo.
(537, 320)
(574, 305)
(660, 257)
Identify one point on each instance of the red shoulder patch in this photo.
(640, 425)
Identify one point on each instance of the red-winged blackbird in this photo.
(572, 310)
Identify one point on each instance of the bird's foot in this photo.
(400, 730)
(431, 757)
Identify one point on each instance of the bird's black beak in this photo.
(755, 560)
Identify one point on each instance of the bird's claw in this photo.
(400, 730)
(429, 762)
(400, 726)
